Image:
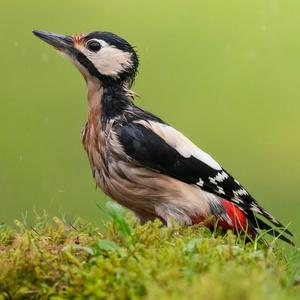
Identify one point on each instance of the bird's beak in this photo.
(61, 42)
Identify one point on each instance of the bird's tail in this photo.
(237, 220)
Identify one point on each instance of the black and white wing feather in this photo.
(158, 146)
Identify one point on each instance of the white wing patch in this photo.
(221, 176)
(220, 190)
(181, 143)
(240, 192)
(200, 182)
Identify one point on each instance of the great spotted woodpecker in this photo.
(142, 162)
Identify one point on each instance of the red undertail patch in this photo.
(237, 219)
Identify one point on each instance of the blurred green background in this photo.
(225, 73)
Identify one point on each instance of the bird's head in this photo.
(98, 55)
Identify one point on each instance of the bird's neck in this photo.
(106, 102)
(95, 94)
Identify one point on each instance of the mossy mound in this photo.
(54, 260)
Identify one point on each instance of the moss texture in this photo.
(55, 260)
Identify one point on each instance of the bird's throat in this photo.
(95, 95)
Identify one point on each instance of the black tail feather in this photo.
(275, 223)
(259, 224)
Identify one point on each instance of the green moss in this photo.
(128, 261)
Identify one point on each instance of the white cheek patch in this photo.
(112, 61)
(109, 60)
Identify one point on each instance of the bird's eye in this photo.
(93, 46)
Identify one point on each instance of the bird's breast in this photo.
(145, 191)
(94, 142)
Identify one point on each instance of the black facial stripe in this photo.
(83, 60)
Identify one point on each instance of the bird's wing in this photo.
(161, 147)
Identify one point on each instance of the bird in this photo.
(141, 161)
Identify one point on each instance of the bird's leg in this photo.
(170, 213)
(145, 217)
